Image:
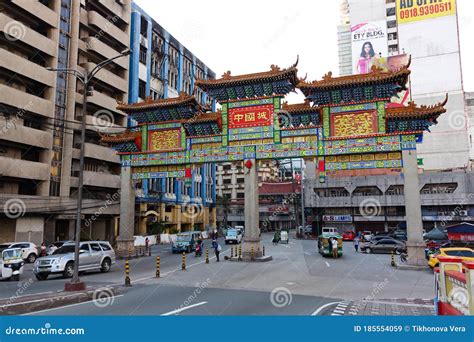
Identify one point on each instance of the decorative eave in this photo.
(274, 75)
(376, 76)
(300, 108)
(412, 111)
(149, 104)
(120, 137)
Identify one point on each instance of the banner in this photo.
(415, 10)
(251, 116)
(369, 46)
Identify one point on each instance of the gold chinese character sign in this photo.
(163, 140)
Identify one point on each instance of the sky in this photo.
(248, 36)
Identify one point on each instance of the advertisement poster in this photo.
(369, 46)
(415, 10)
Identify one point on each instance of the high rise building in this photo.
(162, 68)
(40, 111)
(431, 39)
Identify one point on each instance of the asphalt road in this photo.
(298, 281)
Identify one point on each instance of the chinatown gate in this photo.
(346, 126)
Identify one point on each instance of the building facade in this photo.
(162, 68)
(431, 41)
(378, 203)
(40, 111)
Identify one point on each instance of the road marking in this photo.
(318, 310)
(403, 304)
(307, 253)
(327, 264)
(66, 306)
(183, 309)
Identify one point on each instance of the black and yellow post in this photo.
(252, 253)
(183, 262)
(207, 255)
(240, 252)
(157, 267)
(127, 274)
(119, 253)
(232, 251)
(393, 259)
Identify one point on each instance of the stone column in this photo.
(252, 220)
(415, 244)
(127, 210)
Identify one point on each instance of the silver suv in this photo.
(93, 255)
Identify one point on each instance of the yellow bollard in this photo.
(240, 252)
(232, 251)
(393, 259)
(251, 253)
(157, 267)
(207, 255)
(183, 262)
(127, 274)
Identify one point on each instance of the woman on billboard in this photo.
(367, 58)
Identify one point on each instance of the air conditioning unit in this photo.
(462, 212)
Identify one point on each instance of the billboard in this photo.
(369, 46)
(415, 10)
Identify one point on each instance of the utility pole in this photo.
(76, 284)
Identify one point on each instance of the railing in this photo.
(454, 283)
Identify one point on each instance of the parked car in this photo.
(55, 245)
(384, 246)
(467, 254)
(399, 235)
(241, 228)
(29, 251)
(186, 242)
(348, 235)
(233, 236)
(367, 235)
(93, 255)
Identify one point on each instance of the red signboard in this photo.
(461, 237)
(251, 116)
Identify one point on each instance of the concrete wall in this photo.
(7, 230)
(29, 229)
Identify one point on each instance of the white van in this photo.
(330, 230)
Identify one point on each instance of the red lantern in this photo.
(248, 164)
(187, 173)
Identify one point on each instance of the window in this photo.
(84, 247)
(95, 247)
(105, 247)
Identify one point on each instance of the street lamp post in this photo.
(76, 284)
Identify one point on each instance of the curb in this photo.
(33, 303)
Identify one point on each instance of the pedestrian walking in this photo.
(356, 243)
(334, 248)
(217, 251)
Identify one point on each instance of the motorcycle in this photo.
(11, 264)
(198, 251)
